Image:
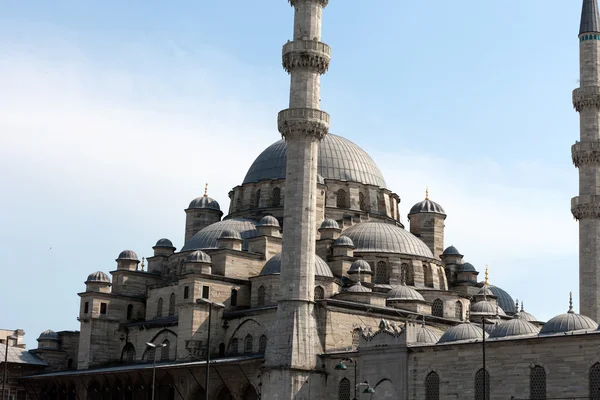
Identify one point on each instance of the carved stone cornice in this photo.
(323, 3)
(303, 121)
(306, 54)
(585, 207)
(586, 153)
(588, 96)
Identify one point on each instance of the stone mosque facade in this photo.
(316, 289)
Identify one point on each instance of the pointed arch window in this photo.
(172, 304)
(159, 308)
(381, 273)
(344, 390)
(234, 348)
(319, 293)
(432, 386)
(276, 197)
(262, 344)
(128, 354)
(479, 385)
(537, 383)
(341, 199)
(248, 342)
(164, 351)
(595, 382)
(458, 310)
(437, 308)
(261, 296)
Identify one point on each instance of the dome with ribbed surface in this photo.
(487, 308)
(386, 238)
(451, 251)
(358, 288)
(525, 316)
(98, 277)
(164, 242)
(427, 335)
(514, 327)
(128, 255)
(404, 293)
(362, 264)
(485, 291)
(329, 224)
(467, 267)
(205, 202)
(198, 257)
(426, 206)
(505, 301)
(230, 234)
(466, 331)
(268, 220)
(343, 241)
(568, 322)
(273, 266)
(208, 237)
(48, 335)
(338, 159)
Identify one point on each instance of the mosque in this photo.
(312, 287)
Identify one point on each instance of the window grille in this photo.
(341, 199)
(479, 385)
(595, 382)
(381, 273)
(537, 383)
(276, 199)
(432, 386)
(248, 344)
(128, 353)
(458, 310)
(344, 390)
(404, 273)
(262, 344)
(150, 354)
(319, 293)
(437, 308)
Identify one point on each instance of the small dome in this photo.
(426, 206)
(487, 308)
(467, 267)
(98, 277)
(405, 293)
(380, 237)
(128, 255)
(164, 242)
(230, 234)
(268, 220)
(205, 202)
(466, 331)
(329, 224)
(198, 257)
(525, 316)
(208, 237)
(426, 335)
(358, 288)
(48, 335)
(505, 301)
(568, 322)
(273, 266)
(343, 241)
(362, 264)
(451, 251)
(514, 327)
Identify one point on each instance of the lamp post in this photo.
(154, 346)
(5, 375)
(206, 374)
(343, 367)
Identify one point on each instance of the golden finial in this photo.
(426, 192)
(143, 262)
(206, 190)
(486, 276)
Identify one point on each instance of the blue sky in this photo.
(114, 114)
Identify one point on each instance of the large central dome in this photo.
(339, 159)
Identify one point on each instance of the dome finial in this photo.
(206, 190)
(517, 306)
(143, 263)
(423, 322)
(571, 303)
(521, 305)
(426, 192)
(486, 282)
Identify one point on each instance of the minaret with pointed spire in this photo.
(292, 369)
(586, 157)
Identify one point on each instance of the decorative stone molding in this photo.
(586, 153)
(307, 54)
(323, 3)
(588, 96)
(586, 207)
(303, 121)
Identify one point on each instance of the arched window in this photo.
(233, 349)
(344, 390)
(479, 384)
(404, 273)
(361, 202)
(319, 293)
(248, 344)
(458, 310)
(159, 308)
(595, 382)
(355, 338)
(427, 276)
(261, 296)
(128, 353)
(262, 344)
(257, 199)
(537, 383)
(164, 351)
(341, 199)
(381, 273)
(432, 386)
(233, 301)
(172, 304)
(437, 308)
(441, 280)
(150, 354)
(129, 312)
(276, 197)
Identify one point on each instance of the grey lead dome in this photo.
(98, 276)
(386, 238)
(339, 159)
(568, 322)
(128, 255)
(205, 202)
(273, 266)
(48, 335)
(208, 237)
(329, 224)
(268, 220)
(466, 331)
(164, 242)
(514, 327)
(426, 206)
(198, 257)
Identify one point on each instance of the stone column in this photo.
(291, 367)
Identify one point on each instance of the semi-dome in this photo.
(426, 206)
(164, 242)
(358, 288)
(514, 327)
(568, 322)
(205, 202)
(230, 234)
(404, 293)
(268, 220)
(329, 224)
(386, 238)
(98, 277)
(466, 331)
(343, 241)
(208, 237)
(451, 251)
(362, 264)
(487, 308)
(427, 335)
(128, 255)
(338, 159)
(48, 335)
(273, 266)
(198, 257)
(467, 267)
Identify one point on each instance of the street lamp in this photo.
(153, 346)
(210, 306)
(5, 375)
(343, 367)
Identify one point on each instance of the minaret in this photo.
(586, 157)
(291, 367)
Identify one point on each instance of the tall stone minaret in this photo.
(586, 157)
(291, 369)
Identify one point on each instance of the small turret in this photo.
(230, 239)
(127, 260)
(202, 212)
(198, 262)
(98, 282)
(427, 223)
(48, 340)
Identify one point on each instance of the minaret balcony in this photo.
(586, 153)
(323, 3)
(306, 54)
(586, 207)
(303, 121)
(587, 96)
